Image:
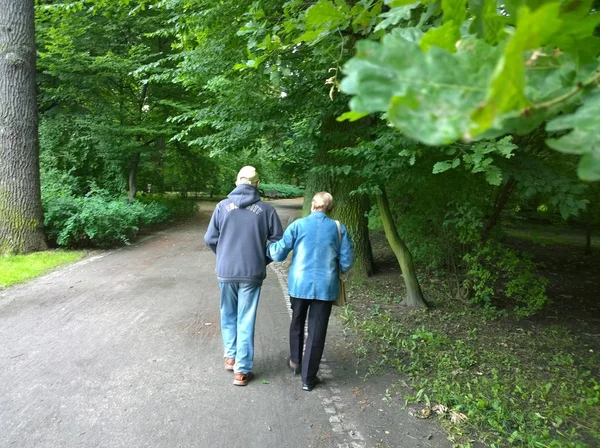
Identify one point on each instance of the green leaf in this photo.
(440, 167)
(493, 175)
(396, 3)
(321, 19)
(444, 37)
(577, 33)
(584, 138)
(409, 34)
(395, 16)
(589, 167)
(507, 91)
(324, 14)
(351, 116)
(454, 11)
(428, 95)
(486, 24)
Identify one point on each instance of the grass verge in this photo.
(500, 381)
(20, 268)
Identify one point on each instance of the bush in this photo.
(177, 208)
(500, 274)
(280, 191)
(102, 220)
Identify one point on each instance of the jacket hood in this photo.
(244, 195)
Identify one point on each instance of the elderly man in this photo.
(240, 229)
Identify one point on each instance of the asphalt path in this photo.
(123, 349)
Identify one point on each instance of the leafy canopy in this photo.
(473, 70)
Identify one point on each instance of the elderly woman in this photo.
(321, 248)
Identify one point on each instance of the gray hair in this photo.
(322, 201)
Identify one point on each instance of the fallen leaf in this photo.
(440, 409)
(457, 417)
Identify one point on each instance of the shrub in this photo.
(102, 220)
(93, 220)
(497, 273)
(176, 208)
(279, 191)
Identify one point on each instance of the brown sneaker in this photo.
(228, 364)
(241, 379)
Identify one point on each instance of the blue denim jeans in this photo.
(239, 302)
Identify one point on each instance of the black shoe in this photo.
(310, 386)
(295, 370)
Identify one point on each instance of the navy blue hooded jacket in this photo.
(240, 229)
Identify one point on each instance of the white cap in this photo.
(247, 175)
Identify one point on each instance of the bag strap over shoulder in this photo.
(337, 223)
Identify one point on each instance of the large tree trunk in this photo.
(133, 170)
(349, 209)
(414, 295)
(21, 222)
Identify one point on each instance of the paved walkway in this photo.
(123, 349)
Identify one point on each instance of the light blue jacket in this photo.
(317, 253)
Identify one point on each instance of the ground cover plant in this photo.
(490, 377)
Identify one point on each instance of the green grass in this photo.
(20, 268)
(548, 237)
(497, 380)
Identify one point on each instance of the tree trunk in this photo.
(353, 213)
(414, 295)
(588, 230)
(135, 162)
(21, 221)
(133, 170)
(349, 209)
(502, 197)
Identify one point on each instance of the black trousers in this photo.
(318, 318)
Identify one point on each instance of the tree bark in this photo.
(414, 295)
(500, 202)
(349, 209)
(135, 161)
(133, 170)
(21, 221)
(588, 230)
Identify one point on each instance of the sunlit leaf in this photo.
(507, 90)
(395, 16)
(352, 116)
(427, 95)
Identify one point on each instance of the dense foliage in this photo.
(185, 96)
(276, 191)
(476, 70)
(100, 219)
